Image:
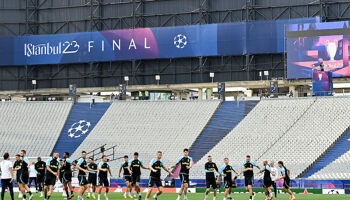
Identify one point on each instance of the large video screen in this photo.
(318, 46)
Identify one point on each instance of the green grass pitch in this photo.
(198, 196)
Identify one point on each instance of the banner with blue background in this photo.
(148, 43)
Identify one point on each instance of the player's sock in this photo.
(185, 196)
(98, 197)
(24, 196)
(251, 197)
(214, 198)
(224, 198)
(206, 196)
(178, 196)
(67, 193)
(30, 193)
(80, 197)
(48, 197)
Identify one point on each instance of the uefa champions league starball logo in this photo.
(180, 41)
(79, 128)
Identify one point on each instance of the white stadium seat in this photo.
(32, 126)
(148, 127)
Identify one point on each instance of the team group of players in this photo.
(227, 170)
(88, 173)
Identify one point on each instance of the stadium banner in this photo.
(321, 46)
(148, 43)
(322, 83)
(333, 191)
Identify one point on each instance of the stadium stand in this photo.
(166, 126)
(339, 169)
(265, 123)
(312, 135)
(77, 124)
(335, 164)
(227, 116)
(33, 126)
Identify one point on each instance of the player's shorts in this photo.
(249, 181)
(103, 182)
(40, 178)
(154, 181)
(82, 180)
(228, 182)
(66, 177)
(267, 183)
(135, 179)
(50, 179)
(286, 183)
(127, 178)
(92, 179)
(211, 182)
(61, 175)
(23, 178)
(185, 178)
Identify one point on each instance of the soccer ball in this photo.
(79, 128)
(180, 41)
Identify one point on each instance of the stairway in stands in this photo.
(340, 148)
(81, 121)
(227, 116)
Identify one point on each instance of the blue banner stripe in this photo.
(148, 43)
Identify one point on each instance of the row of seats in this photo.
(295, 131)
(33, 126)
(148, 127)
(325, 121)
(339, 169)
(264, 125)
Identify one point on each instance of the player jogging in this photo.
(24, 176)
(249, 175)
(226, 171)
(6, 176)
(61, 175)
(103, 168)
(127, 176)
(40, 167)
(82, 167)
(156, 166)
(286, 177)
(92, 179)
(210, 170)
(273, 177)
(267, 181)
(17, 168)
(134, 169)
(186, 164)
(52, 174)
(66, 178)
